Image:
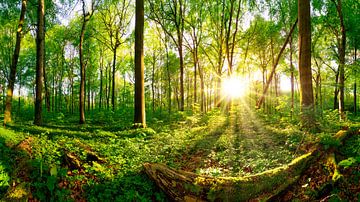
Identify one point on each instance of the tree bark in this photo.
(40, 61)
(336, 90)
(355, 95)
(47, 92)
(86, 18)
(306, 88)
(292, 78)
(109, 87)
(186, 186)
(14, 61)
(101, 82)
(153, 82)
(342, 47)
(113, 80)
(88, 92)
(266, 186)
(139, 115)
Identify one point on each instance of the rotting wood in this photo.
(187, 186)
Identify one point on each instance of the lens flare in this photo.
(234, 87)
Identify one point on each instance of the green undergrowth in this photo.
(216, 144)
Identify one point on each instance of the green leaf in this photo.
(348, 162)
(53, 170)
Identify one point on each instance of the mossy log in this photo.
(186, 186)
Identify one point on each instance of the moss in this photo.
(245, 188)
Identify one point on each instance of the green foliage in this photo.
(328, 140)
(349, 162)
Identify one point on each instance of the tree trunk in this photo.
(306, 88)
(88, 92)
(113, 80)
(186, 186)
(153, 83)
(82, 75)
(342, 47)
(109, 87)
(139, 115)
(106, 86)
(195, 74)
(266, 186)
(168, 78)
(268, 82)
(19, 91)
(40, 61)
(101, 81)
(355, 102)
(336, 90)
(14, 61)
(182, 97)
(72, 91)
(292, 70)
(47, 92)
(54, 101)
(86, 18)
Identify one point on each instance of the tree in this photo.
(86, 19)
(40, 61)
(341, 49)
(14, 61)
(115, 19)
(194, 22)
(306, 89)
(171, 16)
(139, 116)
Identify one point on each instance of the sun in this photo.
(234, 87)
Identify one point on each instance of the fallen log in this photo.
(187, 186)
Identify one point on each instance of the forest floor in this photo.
(64, 161)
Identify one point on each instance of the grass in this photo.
(240, 143)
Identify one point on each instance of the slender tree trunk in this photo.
(355, 95)
(88, 92)
(86, 18)
(101, 82)
(182, 97)
(124, 90)
(342, 47)
(153, 82)
(306, 88)
(262, 98)
(72, 90)
(82, 73)
(139, 115)
(40, 61)
(14, 61)
(47, 92)
(19, 101)
(109, 87)
(168, 78)
(106, 86)
(60, 92)
(336, 90)
(113, 80)
(195, 74)
(54, 102)
(92, 100)
(202, 91)
(292, 78)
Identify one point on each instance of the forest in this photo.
(179, 100)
